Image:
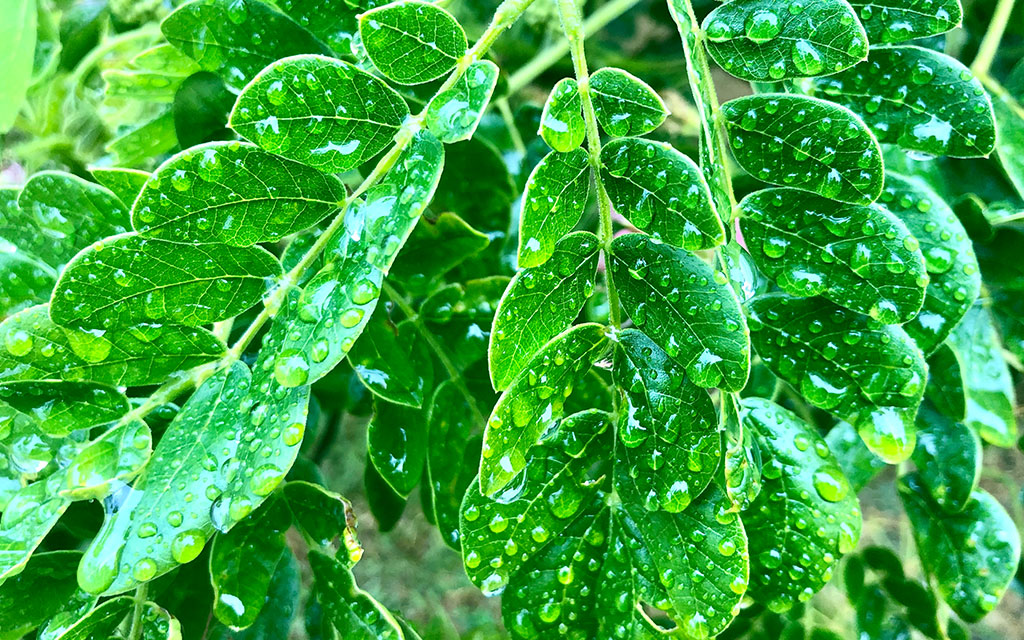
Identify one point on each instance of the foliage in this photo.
(638, 365)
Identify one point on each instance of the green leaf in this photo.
(233, 193)
(948, 459)
(58, 408)
(561, 124)
(28, 281)
(385, 505)
(19, 35)
(757, 40)
(501, 534)
(454, 114)
(945, 388)
(73, 612)
(38, 592)
(322, 112)
(37, 349)
(275, 619)
(972, 554)
(669, 431)
(412, 42)
(351, 611)
(742, 467)
(129, 279)
(236, 38)
(396, 444)
(126, 184)
(204, 476)
(955, 279)
(535, 401)
(453, 453)
(893, 21)
(333, 21)
(686, 308)
(838, 157)
(624, 104)
(859, 256)
(322, 516)
(461, 317)
(1009, 114)
(705, 542)
(904, 95)
(662, 192)
(244, 560)
(869, 374)
(393, 362)
(553, 203)
(27, 518)
(109, 461)
(859, 465)
(153, 137)
(201, 107)
(59, 213)
(154, 76)
(986, 378)
(806, 517)
(435, 248)
(540, 303)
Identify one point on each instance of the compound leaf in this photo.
(986, 378)
(904, 95)
(412, 42)
(561, 124)
(859, 256)
(806, 516)
(540, 303)
(38, 349)
(685, 307)
(624, 104)
(454, 114)
(662, 192)
(869, 374)
(669, 430)
(973, 554)
(758, 41)
(806, 143)
(895, 21)
(553, 203)
(320, 111)
(129, 279)
(535, 401)
(236, 38)
(234, 193)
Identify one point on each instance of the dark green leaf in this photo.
(761, 41)
(859, 256)
(904, 95)
(333, 21)
(201, 108)
(130, 279)
(553, 203)
(38, 592)
(385, 505)
(540, 303)
(500, 534)
(948, 459)
(806, 517)
(320, 111)
(986, 378)
(412, 42)
(350, 610)
(59, 213)
(661, 192)
(832, 153)
(243, 562)
(453, 454)
(393, 362)
(234, 193)
(972, 554)
(396, 444)
(435, 248)
(323, 515)
(892, 21)
(37, 349)
(671, 447)
(123, 183)
(535, 401)
(275, 619)
(454, 114)
(867, 373)
(109, 461)
(688, 309)
(859, 465)
(945, 388)
(624, 104)
(58, 408)
(236, 38)
(1009, 114)
(561, 124)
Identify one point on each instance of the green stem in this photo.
(454, 374)
(574, 33)
(140, 599)
(551, 55)
(990, 43)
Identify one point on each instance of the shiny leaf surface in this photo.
(412, 42)
(553, 203)
(624, 104)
